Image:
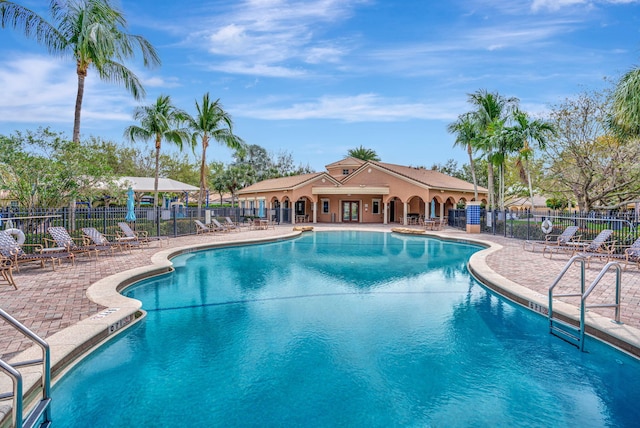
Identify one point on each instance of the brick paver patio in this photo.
(48, 301)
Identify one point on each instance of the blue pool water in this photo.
(356, 329)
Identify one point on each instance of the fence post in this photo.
(528, 212)
(158, 212)
(175, 220)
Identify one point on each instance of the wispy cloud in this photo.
(42, 89)
(357, 108)
(276, 38)
(555, 5)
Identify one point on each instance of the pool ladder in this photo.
(40, 416)
(570, 332)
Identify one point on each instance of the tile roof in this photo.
(428, 177)
(348, 161)
(281, 183)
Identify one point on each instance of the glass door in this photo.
(350, 211)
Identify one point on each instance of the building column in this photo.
(315, 212)
(404, 214)
(384, 213)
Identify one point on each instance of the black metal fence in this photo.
(178, 221)
(529, 224)
(174, 221)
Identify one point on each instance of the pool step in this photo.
(569, 332)
(565, 331)
(35, 417)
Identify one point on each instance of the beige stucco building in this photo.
(356, 191)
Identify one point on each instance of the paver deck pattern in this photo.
(48, 301)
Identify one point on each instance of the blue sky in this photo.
(315, 78)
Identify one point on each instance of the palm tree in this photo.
(159, 121)
(94, 32)
(466, 136)
(492, 110)
(522, 133)
(31, 24)
(363, 154)
(211, 121)
(626, 102)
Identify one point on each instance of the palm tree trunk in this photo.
(155, 183)
(82, 73)
(203, 171)
(473, 173)
(490, 184)
(526, 165)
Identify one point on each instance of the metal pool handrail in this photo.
(43, 407)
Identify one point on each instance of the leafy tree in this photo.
(179, 168)
(121, 160)
(450, 167)
(466, 131)
(211, 122)
(94, 34)
(237, 177)
(42, 169)
(158, 121)
(586, 160)
(258, 160)
(364, 154)
(217, 178)
(285, 166)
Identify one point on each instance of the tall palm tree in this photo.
(466, 133)
(626, 102)
(522, 133)
(364, 154)
(31, 24)
(94, 34)
(211, 122)
(491, 112)
(158, 121)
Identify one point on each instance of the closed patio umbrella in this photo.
(131, 204)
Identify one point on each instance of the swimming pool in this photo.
(341, 329)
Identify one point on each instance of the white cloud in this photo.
(254, 69)
(41, 91)
(271, 35)
(357, 108)
(555, 5)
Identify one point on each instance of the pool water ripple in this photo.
(341, 329)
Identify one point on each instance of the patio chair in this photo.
(568, 235)
(6, 272)
(599, 245)
(202, 228)
(63, 241)
(141, 236)
(127, 234)
(630, 255)
(101, 240)
(230, 224)
(218, 227)
(10, 249)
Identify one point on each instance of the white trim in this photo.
(351, 190)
